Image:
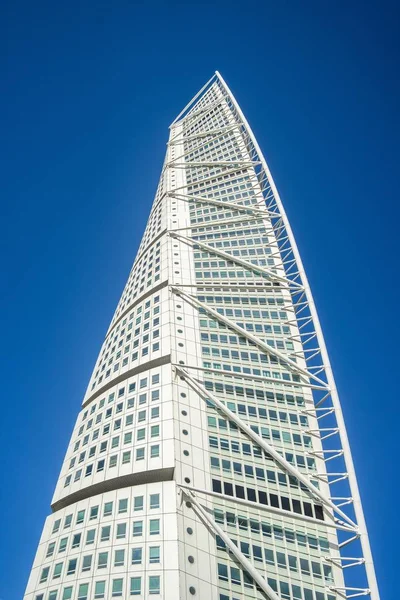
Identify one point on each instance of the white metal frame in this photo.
(340, 473)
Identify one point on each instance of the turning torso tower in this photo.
(210, 458)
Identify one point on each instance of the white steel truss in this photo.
(342, 503)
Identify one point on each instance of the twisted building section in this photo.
(210, 457)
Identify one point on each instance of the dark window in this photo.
(251, 494)
(308, 509)
(262, 498)
(228, 487)
(285, 503)
(240, 491)
(319, 513)
(296, 506)
(217, 487)
(274, 500)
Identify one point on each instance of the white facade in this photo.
(210, 457)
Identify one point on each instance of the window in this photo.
(155, 431)
(44, 575)
(235, 575)
(136, 556)
(154, 501)
(67, 593)
(140, 454)
(154, 584)
(102, 561)
(137, 528)
(154, 451)
(121, 530)
(50, 549)
(126, 457)
(57, 570)
(71, 566)
(87, 563)
(94, 512)
(53, 595)
(56, 526)
(222, 572)
(154, 554)
(117, 587)
(154, 526)
(90, 536)
(108, 507)
(67, 522)
(105, 533)
(99, 589)
(80, 516)
(123, 506)
(119, 558)
(63, 544)
(138, 503)
(83, 591)
(76, 540)
(136, 586)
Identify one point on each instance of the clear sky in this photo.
(88, 90)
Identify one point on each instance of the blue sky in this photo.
(88, 90)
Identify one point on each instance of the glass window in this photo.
(154, 554)
(90, 536)
(63, 544)
(87, 563)
(155, 431)
(140, 454)
(94, 511)
(108, 507)
(67, 593)
(154, 501)
(53, 595)
(119, 558)
(67, 522)
(154, 526)
(136, 586)
(99, 589)
(57, 570)
(102, 561)
(121, 530)
(80, 516)
(117, 587)
(83, 591)
(105, 533)
(137, 528)
(138, 503)
(136, 556)
(56, 526)
(123, 506)
(45, 574)
(154, 451)
(154, 584)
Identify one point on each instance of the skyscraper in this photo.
(210, 458)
